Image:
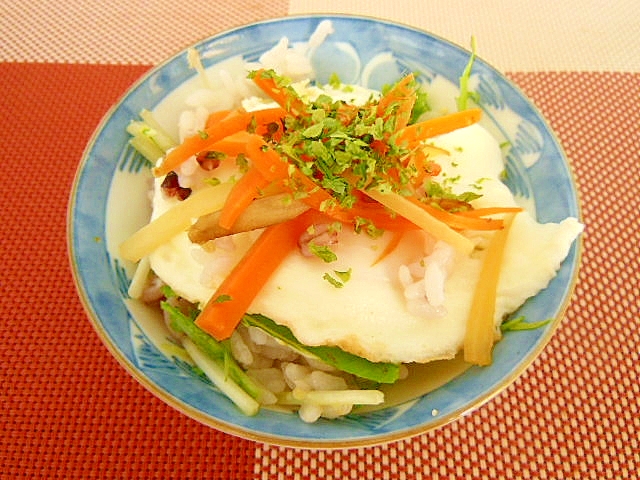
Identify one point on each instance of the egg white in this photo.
(369, 315)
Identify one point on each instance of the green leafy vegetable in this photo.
(465, 93)
(520, 323)
(421, 106)
(334, 356)
(216, 351)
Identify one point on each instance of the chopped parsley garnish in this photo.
(212, 181)
(222, 298)
(440, 194)
(242, 163)
(338, 279)
(367, 226)
(346, 149)
(339, 146)
(323, 252)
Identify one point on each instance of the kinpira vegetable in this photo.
(261, 213)
(480, 334)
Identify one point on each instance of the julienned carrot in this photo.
(203, 141)
(413, 212)
(391, 246)
(274, 168)
(461, 222)
(232, 299)
(415, 133)
(377, 214)
(283, 95)
(481, 333)
(246, 189)
(423, 166)
(485, 211)
(398, 102)
(233, 145)
(265, 159)
(217, 116)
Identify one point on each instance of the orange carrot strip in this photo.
(273, 167)
(460, 222)
(232, 299)
(391, 246)
(233, 145)
(379, 215)
(398, 102)
(417, 132)
(424, 167)
(216, 117)
(265, 159)
(247, 189)
(481, 212)
(285, 96)
(226, 127)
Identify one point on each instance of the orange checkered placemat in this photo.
(118, 32)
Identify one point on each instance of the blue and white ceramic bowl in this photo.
(109, 202)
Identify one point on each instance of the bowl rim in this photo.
(276, 439)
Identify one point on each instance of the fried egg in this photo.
(371, 314)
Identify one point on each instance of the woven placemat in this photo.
(70, 411)
(135, 33)
(512, 35)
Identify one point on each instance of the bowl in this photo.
(111, 179)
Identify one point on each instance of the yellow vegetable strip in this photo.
(220, 379)
(333, 397)
(412, 212)
(174, 221)
(139, 279)
(481, 332)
